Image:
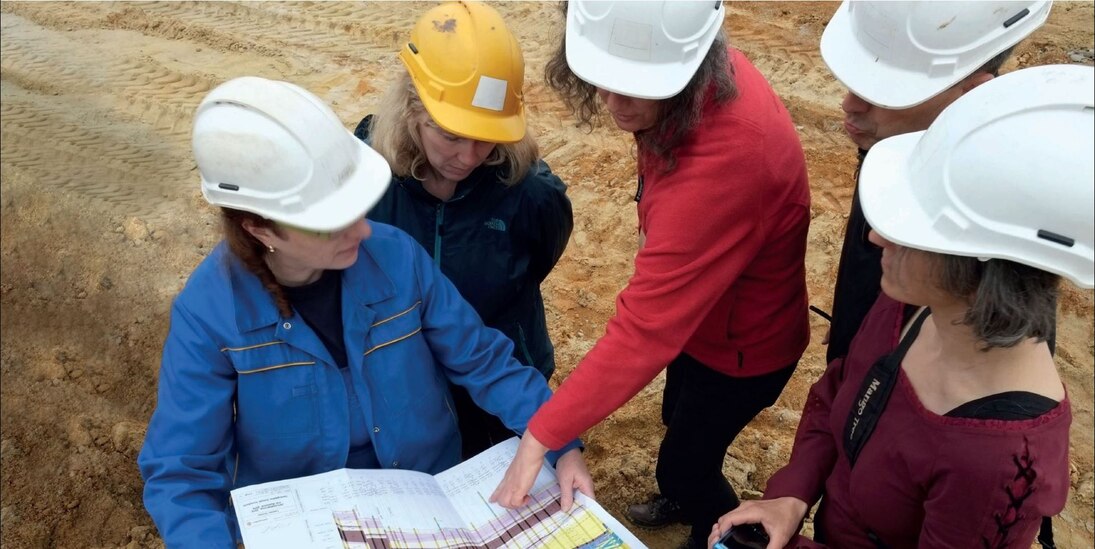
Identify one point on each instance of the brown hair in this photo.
(1009, 301)
(677, 115)
(394, 134)
(250, 251)
(992, 66)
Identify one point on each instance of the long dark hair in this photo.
(251, 252)
(677, 115)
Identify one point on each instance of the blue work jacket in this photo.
(246, 396)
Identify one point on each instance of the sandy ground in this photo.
(102, 221)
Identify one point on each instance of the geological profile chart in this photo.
(386, 508)
(543, 523)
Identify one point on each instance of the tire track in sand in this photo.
(130, 178)
(70, 107)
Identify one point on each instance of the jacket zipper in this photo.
(439, 219)
(523, 346)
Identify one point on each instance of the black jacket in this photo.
(495, 243)
(858, 278)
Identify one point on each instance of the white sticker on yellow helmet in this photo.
(490, 94)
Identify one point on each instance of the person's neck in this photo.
(289, 274)
(949, 366)
(438, 186)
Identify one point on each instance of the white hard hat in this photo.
(1005, 172)
(900, 54)
(274, 149)
(648, 50)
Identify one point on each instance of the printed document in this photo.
(389, 508)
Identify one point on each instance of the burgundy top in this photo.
(922, 480)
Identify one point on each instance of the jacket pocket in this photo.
(395, 328)
(400, 366)
(276, 390)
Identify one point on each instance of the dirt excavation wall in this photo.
(102, 221)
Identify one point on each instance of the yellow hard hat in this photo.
(469, 71)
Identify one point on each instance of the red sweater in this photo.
(722, 273)
(921, 480)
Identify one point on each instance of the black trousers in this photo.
(703, 411)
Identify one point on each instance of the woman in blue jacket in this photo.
(310, 339)
(469, 184)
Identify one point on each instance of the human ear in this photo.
(264, 234)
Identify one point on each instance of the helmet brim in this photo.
(643, 80)
(886, 196)
(475, 123)
(891, 206)
(866, 76)
(360, 191)
(893, 210)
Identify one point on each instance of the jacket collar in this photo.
(364, 283)
(463, 188)
(254, 305)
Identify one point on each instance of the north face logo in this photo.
(496, 224)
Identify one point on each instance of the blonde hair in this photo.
(394, 134)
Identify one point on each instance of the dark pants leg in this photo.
(479, 430)
(704, 411)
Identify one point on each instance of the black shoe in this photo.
(659, 512)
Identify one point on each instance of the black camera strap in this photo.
(875, 392)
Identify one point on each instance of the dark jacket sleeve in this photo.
(362, 130)
(476, 357)
(548, 219)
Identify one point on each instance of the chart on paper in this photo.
(351, 508)
(540, 524)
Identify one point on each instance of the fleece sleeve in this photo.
(703, 226)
